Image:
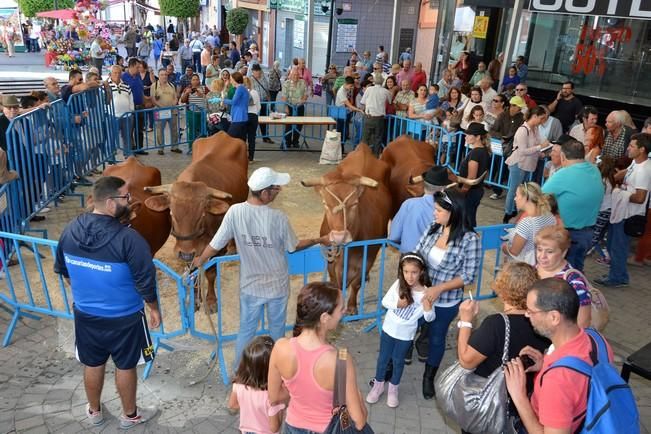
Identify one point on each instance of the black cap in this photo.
(476, 129)
(437, 176)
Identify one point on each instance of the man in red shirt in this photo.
(521, 91)
(419, 78)
(558, 403)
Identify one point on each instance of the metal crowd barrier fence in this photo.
(159, 128)
(33, 287)
(9, 214)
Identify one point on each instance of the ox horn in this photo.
(218, 194)
(364, 180)
(158, 189)
(471, 182)
(416, 179)
(311, 182)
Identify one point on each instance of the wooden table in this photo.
(297, 120)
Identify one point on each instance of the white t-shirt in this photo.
(638, 176)
(262, 235)
(342, 97)
(375, 99)
(96, 50)
(402, 323)
(256, 106)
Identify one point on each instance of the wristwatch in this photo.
(462, 324)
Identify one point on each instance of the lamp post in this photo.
(330, 31)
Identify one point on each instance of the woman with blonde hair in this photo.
(535, 205)
(552, 244)
(215, 98)
(482, 349)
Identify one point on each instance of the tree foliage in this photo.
(179, 8)
(236, 20)
(30, 8)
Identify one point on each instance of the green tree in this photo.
(31, 7)
(179, 8)
(236, 20)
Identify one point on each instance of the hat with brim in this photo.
(9, 101)
(437, 176)
(6, 175)
(476, 129)
(518, 101)
(266, 177)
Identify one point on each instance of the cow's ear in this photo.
(216, 206)
(134, 209)
(158, 203)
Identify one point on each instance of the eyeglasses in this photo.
(126, 196)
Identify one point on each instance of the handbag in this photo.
(341, 423)
(477, 404)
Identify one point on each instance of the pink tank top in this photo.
(310, 406)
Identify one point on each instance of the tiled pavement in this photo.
(41, 387)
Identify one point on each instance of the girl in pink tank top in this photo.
(249, 394)
(293, 364)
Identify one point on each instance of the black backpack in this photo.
(507, 144)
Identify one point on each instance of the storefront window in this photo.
(604, 56)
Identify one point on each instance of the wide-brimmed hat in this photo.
(476, 129)
(6, 175)
(10, 101)
(437, 176)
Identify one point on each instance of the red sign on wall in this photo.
(594, 44)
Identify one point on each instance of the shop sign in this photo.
(480, 28)
(613, 8)
(295, 6)
(590, 57)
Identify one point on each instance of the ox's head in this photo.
(340, 199)
(196, 211)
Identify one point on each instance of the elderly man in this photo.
(487, 91)
(375, 100)
(588, 117)
(164, 95)
(578, 189)
(566, 106)
(419, 77)
(52, 88)
(122, 102)
(521, 91)
(294, 93)
(185, 54)
(617, 137)
(406, 73)
(196, 46)
(263, 236)
(97, 54)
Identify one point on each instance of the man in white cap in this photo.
(262, 235)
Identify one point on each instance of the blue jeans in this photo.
(618, 247)
(437, 332)
(391, 349)
(516, 177)
(292, 430)
(581, 241)
(250, 316)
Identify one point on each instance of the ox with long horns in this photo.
(200, 197)
(357, 206)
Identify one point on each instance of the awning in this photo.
(59, 14)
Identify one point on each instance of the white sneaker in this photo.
(94, 417)
(143, 414)
(495, 196)
(44, 210)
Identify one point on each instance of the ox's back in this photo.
(221, 162)
(407, 158)
(152, 225)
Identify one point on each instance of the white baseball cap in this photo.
(265, 177)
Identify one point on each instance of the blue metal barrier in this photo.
(491, 240)
(9, 213)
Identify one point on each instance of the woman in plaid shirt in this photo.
(452, 251)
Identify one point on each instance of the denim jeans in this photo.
(395, 350)
(581, 241)
(292, 430)
(516, 177)
(618, 246)
(250, 316)
(437, 332)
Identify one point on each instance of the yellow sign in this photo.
(480, 28)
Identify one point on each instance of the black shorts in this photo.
(126, 339)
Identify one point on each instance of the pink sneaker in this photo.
(392, 396)
(375, 393)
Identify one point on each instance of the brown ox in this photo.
(153, 226)
(357, 205)
(407, 158)
(202, 193)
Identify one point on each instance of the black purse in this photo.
(634, 226)
(341, 423)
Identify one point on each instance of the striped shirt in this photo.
(461, 260)
(122, 98)
(262, 236)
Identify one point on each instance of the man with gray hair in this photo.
(617, 136)
(374, 101)
(52, 88)
(487, 91)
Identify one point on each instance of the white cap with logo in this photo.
(265, 177)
